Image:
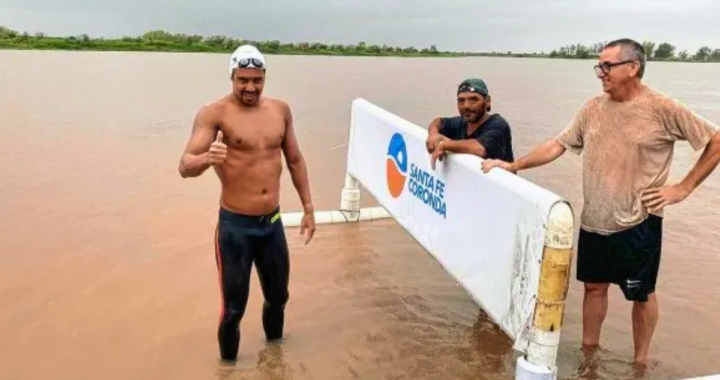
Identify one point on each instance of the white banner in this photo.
(486, 230)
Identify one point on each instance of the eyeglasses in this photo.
(246, 62)
(605, 67)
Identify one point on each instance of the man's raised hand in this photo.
(218, 150)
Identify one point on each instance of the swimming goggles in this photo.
(246, 62)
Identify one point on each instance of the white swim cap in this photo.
(246, 56)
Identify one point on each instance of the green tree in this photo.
(273, 46)
(582, 52)
(7, 33)
(597, 48)
(715, 56)
(216, 40)
(317, 46)
(649, 47)
(231, 43)
(185, 39)
(703, 54)
(683, 55)
(191, 39)
(665, 51)
(158, 35)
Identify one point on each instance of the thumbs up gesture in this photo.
(218, 150)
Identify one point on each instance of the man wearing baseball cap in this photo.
(474, 131)
(243, 136)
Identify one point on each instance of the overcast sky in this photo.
(472, 25)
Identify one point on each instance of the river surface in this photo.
(106, 254)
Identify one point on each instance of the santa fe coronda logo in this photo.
(423, 185)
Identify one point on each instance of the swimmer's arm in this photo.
(296, 162)
(195, 159)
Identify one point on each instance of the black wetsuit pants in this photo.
(241, 240)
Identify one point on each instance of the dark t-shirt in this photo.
(494, 135)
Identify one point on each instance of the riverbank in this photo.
(59, 43)
(162, 41)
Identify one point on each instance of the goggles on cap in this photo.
(246, 62)
(466, 87)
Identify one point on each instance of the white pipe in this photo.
(525, 370)
(540, 361)
(293, 219)
(559, 236)
(350, 197)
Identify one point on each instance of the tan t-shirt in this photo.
(628, 147)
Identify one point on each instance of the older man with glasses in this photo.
(628, 135)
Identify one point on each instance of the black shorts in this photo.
(630, 258)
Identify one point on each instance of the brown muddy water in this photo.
(106, 254)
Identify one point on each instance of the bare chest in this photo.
(254, 132)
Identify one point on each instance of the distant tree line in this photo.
(160, 40)
(663, 52)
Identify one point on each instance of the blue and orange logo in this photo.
(396, 171)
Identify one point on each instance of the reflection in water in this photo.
(598, 363)
(588, 369)
(492, 346)
(411, 328)
(398, 353)
(226, 371)
(270, 365)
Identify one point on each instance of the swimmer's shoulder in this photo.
(214, 109)
(278, 106)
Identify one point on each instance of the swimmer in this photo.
(242, 136)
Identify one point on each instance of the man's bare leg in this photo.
(595, 305)
(644, 317)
